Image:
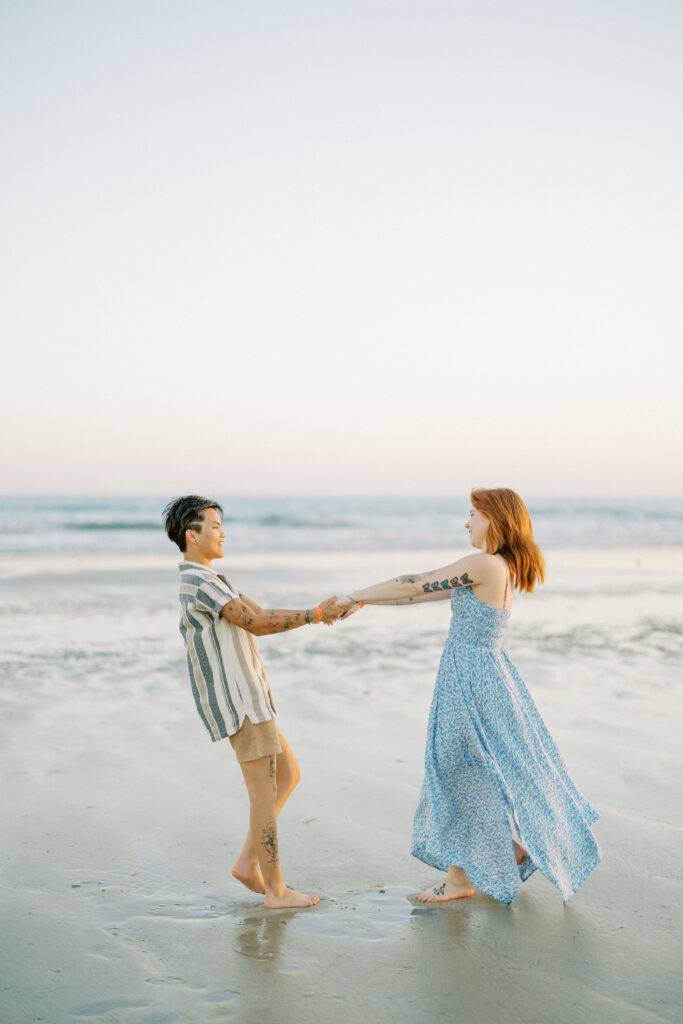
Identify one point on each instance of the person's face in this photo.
(207, 543)
(476, 526)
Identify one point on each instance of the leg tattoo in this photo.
(270, 842)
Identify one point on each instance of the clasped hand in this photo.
(338, 608)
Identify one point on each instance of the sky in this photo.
(341, 248)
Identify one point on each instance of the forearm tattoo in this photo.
(274, 621)
(271, 768)
(280, 622)
(269, 842)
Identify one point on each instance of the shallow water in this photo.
(123, 819)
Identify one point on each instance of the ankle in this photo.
(276, 892)
(248, 860)
(457, 876)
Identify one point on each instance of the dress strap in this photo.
(507, 580)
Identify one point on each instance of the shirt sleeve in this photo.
(212, 596)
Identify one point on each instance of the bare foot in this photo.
(444, 892)
(290, 898)
(249, 874)
(520, 852)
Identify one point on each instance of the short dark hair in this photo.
(186, 513)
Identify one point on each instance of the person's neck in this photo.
(198, 558)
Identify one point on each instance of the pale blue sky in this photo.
(347, 247)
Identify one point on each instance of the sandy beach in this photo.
(364, 278)
(122, 820)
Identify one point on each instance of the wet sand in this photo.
(122, 820)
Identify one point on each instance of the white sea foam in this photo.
(326, 524)
(121, 819)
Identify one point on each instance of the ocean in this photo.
(133, 524)
(122, 819)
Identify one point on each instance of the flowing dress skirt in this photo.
(492, 770)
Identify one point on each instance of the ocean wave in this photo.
(272, 520)
(658, 627)
(327, 524)
(629, 511)
(297, 524)
(649, 637)
(123, 525)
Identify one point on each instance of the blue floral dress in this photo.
(493, 770)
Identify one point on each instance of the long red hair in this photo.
(511, 534)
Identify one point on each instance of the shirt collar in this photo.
(196, 565)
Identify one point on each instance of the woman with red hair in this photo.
(497, 802)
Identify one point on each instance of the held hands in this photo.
(337, 608)
(350, 606)
(331, 610)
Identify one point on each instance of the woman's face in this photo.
(476, 526)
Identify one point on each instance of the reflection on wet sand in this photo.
(120, 827)
(260, 933)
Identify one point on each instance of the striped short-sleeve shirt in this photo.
(226, 672)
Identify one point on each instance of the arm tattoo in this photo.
(406, 579)
(269, 842)
(271, 767)
(247, 618)
(281, 621)
(464, 581)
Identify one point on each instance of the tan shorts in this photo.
(254, 740)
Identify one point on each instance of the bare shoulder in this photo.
(474, 569)
(488, 567)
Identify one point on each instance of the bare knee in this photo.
(288, 777)
(261, 780)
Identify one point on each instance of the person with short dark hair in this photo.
(231, 691)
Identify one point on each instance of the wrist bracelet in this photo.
(320, 612)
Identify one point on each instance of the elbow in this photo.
(251, 625)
